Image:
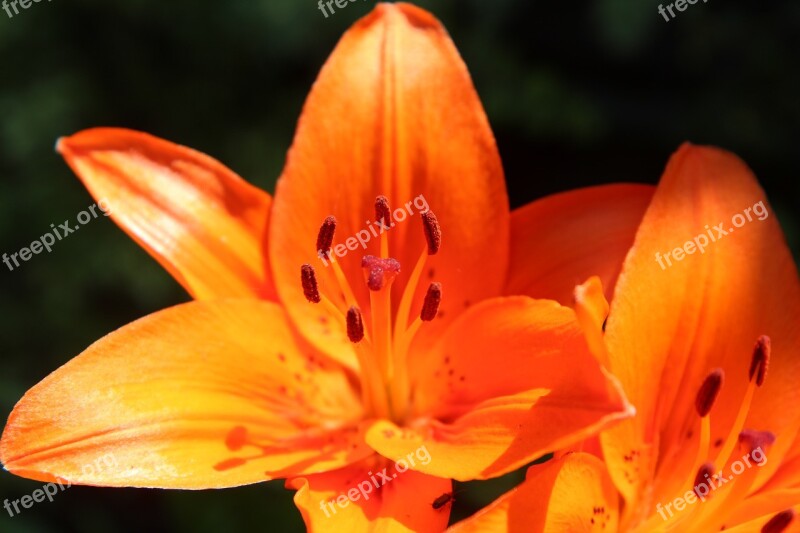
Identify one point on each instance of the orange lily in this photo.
(279, 369)
(707, 350)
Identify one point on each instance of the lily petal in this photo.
(478, 419)
(371, 496)
(196, 217)
(559, 241)
(393, 113)
(669, 325)
(569, 494)
(202, 395)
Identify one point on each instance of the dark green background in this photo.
(578, 93)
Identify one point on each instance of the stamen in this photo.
(760, 361)
(309, 280)
(383, 215)
(780, 522)
(325, 236)
(355, 325)
(708, 392)
(379, 272)
(758, 370)
(432, 300)
(703, 473)
(382, 212)
(433, 233)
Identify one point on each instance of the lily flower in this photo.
(707, 347)
(367, 376)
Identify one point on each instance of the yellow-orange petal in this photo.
(393, 113)
(196, 217)
(202, 395)
(673, 320)
(372, 495)
(559, 241)
(478, 418)
(591, 310)
(754, 512)
(569, 494)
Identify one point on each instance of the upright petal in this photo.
(709, 273)
(480, 420)
(559, 241)
(569, 494)
(393, 112)
(196, 217)
(203, 395)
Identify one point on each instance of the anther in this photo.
(379, 272)
(325, 236)
(433, 233)
(309, 280)
(780, 522)
(355, 325)
(383, 214)
(708, 392)
(704, 473)
(430, 306)
(760, 361)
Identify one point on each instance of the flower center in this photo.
(382, 343)
(718, 479)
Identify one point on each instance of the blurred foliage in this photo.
(578, 93)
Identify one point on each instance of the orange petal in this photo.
(393, 112)
(569, 494)
(591, 310)
(371, 495)
(671, 325)
(756, 511)
(196, 217)
(202, 395)
(478, 419)
(561, 240)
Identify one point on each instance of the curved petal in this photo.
(569, 494)
(561, 240)
(755, 512)
(202, 395)
(478, 419)
(373, 496)
(196, 217)
(674, 319)
(393, 112)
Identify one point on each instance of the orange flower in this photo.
(285, 367)
(707, 346)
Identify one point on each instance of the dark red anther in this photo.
(433, 233)
(382, 212)
(325, 236)
(355, 325)
(760, 361)
(309, 280)
(703, 477)
(780, 522)
(708, 392)
(433, 298)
